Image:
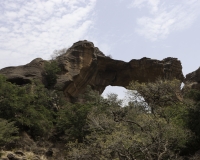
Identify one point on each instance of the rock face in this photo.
(26, 73)
(84, 64)
(192, 80)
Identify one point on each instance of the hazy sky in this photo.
(125, 29)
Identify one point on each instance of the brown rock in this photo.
(84, 64)
(25, 73)
(20, 153)
(192, 80)
(13, 157)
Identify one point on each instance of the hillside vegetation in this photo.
(158, 123)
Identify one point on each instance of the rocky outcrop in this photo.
(84, 64)
(26, 73)
(192, 80)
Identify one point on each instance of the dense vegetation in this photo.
(158, 123)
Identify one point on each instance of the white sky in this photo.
(125, 29)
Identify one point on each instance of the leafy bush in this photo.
(71, 121)
(29, 106)
(8, 132)
(51, 71)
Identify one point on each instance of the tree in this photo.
(58, 53)
(153, 96)
(193, 120)
(164, 117)
(71, 120)
(157, 131)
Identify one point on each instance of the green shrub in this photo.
(29, 106)
(8, 132)
(193, 121)
(51, 71)
(71, 121)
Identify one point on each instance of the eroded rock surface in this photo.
(84, 64)
(192, 80)
(25, 73)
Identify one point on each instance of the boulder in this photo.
(26, 73)
(192, 80)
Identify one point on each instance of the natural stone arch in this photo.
(84, 64)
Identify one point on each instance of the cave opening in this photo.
(19, 81)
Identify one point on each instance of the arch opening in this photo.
(120, 91)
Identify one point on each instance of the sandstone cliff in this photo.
(192, 80)
(84, 64)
